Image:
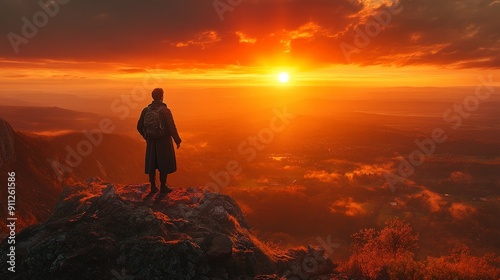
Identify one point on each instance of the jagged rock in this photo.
(219, 247)
(7, 152)
(102, 231)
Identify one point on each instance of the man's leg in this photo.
(163, 183)
(152, 180)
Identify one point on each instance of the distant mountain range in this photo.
(50, 121)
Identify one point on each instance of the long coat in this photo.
(160, 153)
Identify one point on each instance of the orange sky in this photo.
(359, 43)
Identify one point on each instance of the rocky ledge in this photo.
(103, 231)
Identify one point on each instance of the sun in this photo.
(283, 77)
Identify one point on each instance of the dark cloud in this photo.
(458, 33)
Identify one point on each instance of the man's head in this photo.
(157, 94)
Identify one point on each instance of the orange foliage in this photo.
(462, 265)
(375, 251)
(387, 254)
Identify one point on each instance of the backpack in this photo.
(153, 126)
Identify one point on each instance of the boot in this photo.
(152, 180)
(165, 189)
(154, 189)
(163, 181)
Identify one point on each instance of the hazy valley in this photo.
(309, 167)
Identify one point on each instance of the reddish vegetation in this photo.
(388, 254)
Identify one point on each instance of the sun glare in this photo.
(283, 77)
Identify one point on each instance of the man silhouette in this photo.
(157, 127)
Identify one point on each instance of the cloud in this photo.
(460, 177)
(323, 176)
(243, 38)
(370, 170)
(434, 200)
(352, 173)
(457, 33)
(461, 210)
(348, 207)
(201, 40)
(424, 199)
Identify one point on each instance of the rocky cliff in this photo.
(104, 231)
(6, 142)
(45, 164)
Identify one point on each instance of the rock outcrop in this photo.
(102, 231)
(7, 152)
